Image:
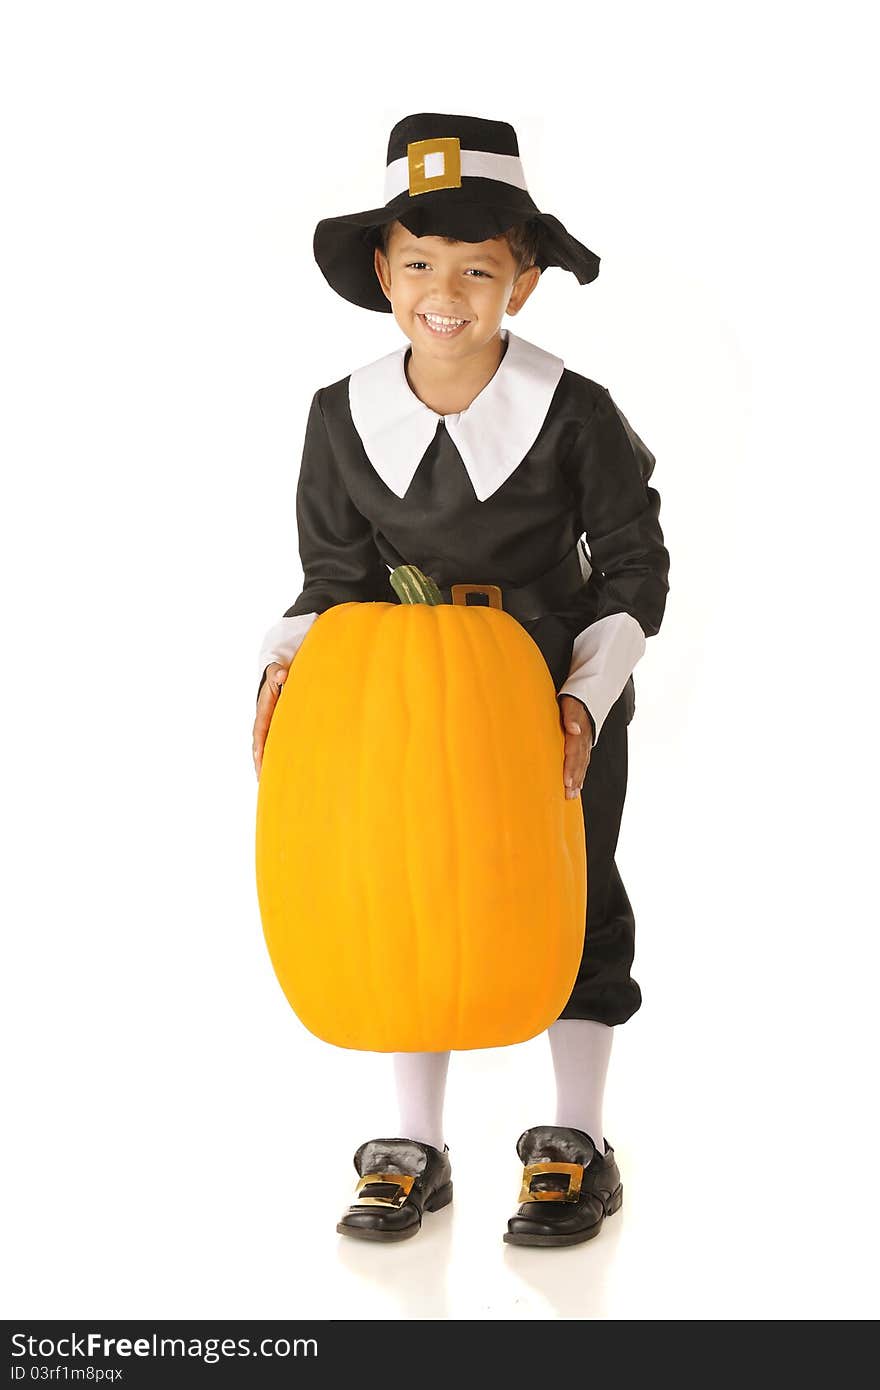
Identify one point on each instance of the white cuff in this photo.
(603, 658)
(282, 642)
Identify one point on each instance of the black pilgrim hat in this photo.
(454, 176)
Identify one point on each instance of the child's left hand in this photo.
(578, 743)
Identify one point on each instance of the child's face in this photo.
(476, 281)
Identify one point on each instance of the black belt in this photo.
(559, 587)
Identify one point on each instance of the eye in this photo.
(413, 265)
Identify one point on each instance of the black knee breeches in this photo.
(604, 989)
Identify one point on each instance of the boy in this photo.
(480, 458)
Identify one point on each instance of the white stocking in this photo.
(581, 1049)
(420, 1078)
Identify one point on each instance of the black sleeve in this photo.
(339, 557)
(608, 470)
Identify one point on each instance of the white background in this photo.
(177, 1143)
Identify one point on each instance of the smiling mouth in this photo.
(441, 327)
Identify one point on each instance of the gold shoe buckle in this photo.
(402, 1181)
(575, 1172)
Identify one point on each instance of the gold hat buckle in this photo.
(434, 164)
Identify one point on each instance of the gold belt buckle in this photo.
(402, 1181)
(459, 593)
(575, 1172)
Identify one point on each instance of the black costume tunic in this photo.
(501, 494)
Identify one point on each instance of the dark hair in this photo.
(522, 238)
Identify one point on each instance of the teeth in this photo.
(445, 325)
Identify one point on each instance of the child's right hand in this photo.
(276, 675)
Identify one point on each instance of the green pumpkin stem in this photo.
(412, 586)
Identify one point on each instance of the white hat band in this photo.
(475, 164)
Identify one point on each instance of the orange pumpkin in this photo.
(421, 874)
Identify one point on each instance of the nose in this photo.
(447, 294)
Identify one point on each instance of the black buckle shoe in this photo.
(568, 1188)
(399, 1179)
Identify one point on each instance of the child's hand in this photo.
(276, 675)
(578, 743)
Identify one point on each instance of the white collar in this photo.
(493, 435)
